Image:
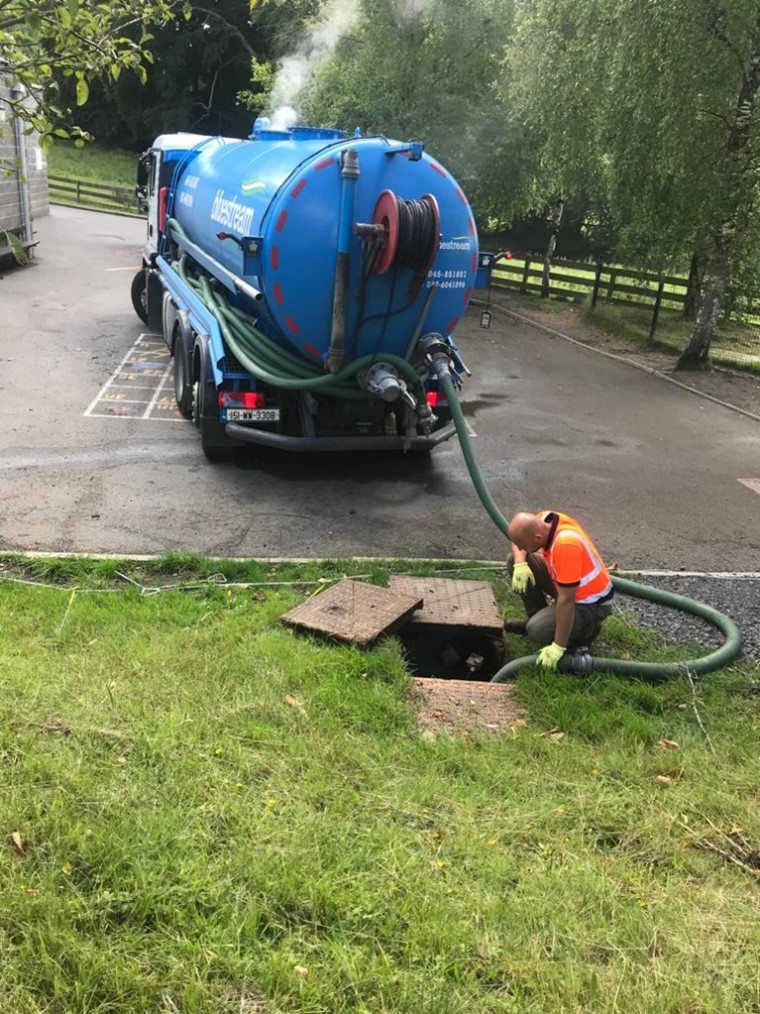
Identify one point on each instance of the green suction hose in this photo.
(583, 662)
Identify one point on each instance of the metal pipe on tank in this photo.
(412, 346)
(350, 174)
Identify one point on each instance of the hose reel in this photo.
(412, 233)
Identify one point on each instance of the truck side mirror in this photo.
(143, 176)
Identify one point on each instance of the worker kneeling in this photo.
(564, 584)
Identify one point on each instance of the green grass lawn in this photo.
(94, 162)
(205, 812)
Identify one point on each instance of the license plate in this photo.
(253, 415)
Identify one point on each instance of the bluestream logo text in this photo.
(230, 212)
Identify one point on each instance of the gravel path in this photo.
(736, 597)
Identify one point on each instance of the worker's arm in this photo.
(522, 576)
(518, 555)
(565, 614)
(550, 656)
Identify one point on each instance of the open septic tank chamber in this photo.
(448, 628)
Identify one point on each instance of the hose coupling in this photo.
(436, 353)
(581, 661)
(383, 381)
(426, 418)
(349, 164)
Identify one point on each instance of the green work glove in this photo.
(522, 576)
(549, 656)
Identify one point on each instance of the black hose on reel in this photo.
(418, 235)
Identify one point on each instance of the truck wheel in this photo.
(168, 314)
(215, 443)
(181, 341)
(183, 385)
(139, 295)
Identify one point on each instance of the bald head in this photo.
(527, 531)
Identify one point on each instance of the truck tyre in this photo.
(215, 443)
(168, 316)
(140, 295)
(182, 344)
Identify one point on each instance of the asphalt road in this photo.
(652, 470)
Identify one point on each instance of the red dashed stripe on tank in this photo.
(274, 258)
(277, 289)
(324, 163)
(467, 294)
(451, 325)
(439, 169)
(292, 325)
(281, 222)
(312, 351)
(298, 188)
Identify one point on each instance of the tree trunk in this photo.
(695, 355)
(693, 288)
(738, 172)
(546, 276)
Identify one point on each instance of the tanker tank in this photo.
(308, 270)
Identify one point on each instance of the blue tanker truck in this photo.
(306, 283)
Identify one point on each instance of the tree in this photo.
(683, 140)
(558, 68)
(434, 70)
(200, 62)
(669, 100)
(80, 39)
(201, 75)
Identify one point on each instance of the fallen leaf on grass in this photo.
(555, 735)
(674, 776)
(668, 744)
(301, 970)
(18, 843)
(293, 702)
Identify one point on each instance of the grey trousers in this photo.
(540, 602)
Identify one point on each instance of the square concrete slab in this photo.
(449, 603)
(354, 612)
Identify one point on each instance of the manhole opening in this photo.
(460, 654)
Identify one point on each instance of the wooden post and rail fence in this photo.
(576, 281)
(100, 196)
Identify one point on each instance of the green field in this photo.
(93, 162)
(205, 812)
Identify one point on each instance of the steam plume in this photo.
(318, 46)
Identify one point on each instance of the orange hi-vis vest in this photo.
(573, 559)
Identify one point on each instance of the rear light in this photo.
(433, 398)
(163, 198)
(242, 399)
